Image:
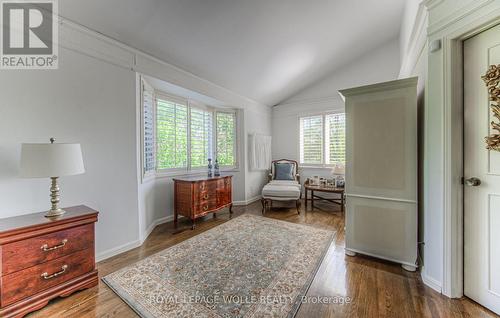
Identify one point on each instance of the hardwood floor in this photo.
(377, 288)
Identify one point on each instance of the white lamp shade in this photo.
(51, 160)
(338, 169)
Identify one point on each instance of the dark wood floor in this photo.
(377, 288)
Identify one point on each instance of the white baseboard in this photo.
(131, 245)
(431, 282)
(154, 224)
(128, 246)
(247, 202)
(117, 250)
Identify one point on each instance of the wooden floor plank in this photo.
(377, 288)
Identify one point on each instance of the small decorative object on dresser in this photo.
(210, 168)
(42, 258)
(197, 196)
(216, 168)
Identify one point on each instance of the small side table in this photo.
(321, 188)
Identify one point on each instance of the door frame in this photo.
(452, 35)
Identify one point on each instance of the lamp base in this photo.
(54, 213)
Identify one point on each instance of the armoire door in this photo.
(381, 171)
(482, 175)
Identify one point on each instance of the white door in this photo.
(481, 201)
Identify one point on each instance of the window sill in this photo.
(164, 174)
(315, 167)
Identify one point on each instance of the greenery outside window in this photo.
(184, 134)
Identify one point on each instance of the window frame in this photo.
(150, 174)
(188, 170)
(323, 163)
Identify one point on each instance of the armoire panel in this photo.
(378, 121)
(381, 171)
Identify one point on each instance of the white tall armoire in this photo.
(381, 171)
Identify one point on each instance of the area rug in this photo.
(251, 266)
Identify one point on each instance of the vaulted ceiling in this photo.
(266, 50)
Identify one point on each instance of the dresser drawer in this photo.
(204, 196)
(204, 207)
(36, 250)
(29, 281)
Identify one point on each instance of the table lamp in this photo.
(338, 169)
(53, 161)
(338, 172)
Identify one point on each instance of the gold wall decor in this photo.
(492, 80)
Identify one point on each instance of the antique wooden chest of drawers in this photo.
(42, 258)
(195, 197)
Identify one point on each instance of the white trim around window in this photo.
(324, 150)
(212, 144)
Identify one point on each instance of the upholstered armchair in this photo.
(284, 184)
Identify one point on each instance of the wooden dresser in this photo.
(42, 258)
(195, 197)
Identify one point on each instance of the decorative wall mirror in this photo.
(492, 80)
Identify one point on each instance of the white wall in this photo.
(92, 99)
(413, 44)
(440, 190)
(85, 101)
(379, 65)
(257, 120)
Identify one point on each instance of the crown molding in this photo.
(431, 4)
(416, 43)
(380, 87)
(457, 15)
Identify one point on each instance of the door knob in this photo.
(473, 182)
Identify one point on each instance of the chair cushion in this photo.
(283, 171)
(282, 191)
(286, 183)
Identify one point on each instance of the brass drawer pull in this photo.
(205, 208)
(47, 276)
(205, 197)
(202, 186)
(46, 247)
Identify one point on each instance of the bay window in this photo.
(179, 135)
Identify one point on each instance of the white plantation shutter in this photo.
(181, 135)
(335, 138)
(311, 140)
(148, 124)
(226, 138)
(201, 137)
(171, 133)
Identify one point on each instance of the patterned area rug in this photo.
(250, 266)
